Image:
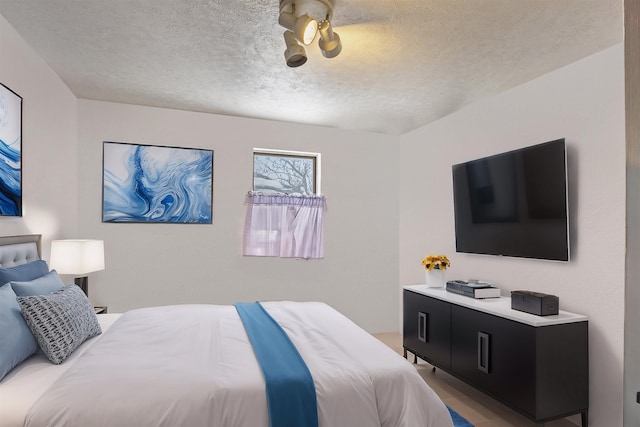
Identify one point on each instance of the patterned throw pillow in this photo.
(60, 321)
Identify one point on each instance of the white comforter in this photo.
(194, 366)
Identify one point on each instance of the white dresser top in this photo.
(498, 307)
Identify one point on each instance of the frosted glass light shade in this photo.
(77, 256)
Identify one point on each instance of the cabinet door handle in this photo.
(484, 341)
(423, 327)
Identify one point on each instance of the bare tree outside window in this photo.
(284, 173)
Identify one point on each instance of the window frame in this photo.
(316, 157)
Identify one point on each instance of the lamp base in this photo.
(83, 282)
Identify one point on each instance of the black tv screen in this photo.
(514, 204)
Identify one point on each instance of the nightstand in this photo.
(100, 310)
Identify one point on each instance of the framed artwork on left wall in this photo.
(10, 152)
(156, 184)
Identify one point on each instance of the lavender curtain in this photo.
(284, 226)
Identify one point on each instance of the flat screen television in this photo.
(514, 204)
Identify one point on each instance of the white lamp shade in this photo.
(77, 256)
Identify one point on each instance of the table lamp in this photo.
(77, 257)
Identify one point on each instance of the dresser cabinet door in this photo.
(494, 354)
(427, 328)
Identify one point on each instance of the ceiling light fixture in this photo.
(329, 41)
(304, 28)
(295, 54)
(297, 16)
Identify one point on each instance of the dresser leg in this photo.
(585, 419)
(404, 352)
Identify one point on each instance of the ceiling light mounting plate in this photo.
(318, 9)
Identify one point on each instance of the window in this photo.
(285, 210)
(286, 172)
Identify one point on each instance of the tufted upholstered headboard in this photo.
(16, 250)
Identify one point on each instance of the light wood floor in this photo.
(480, 409)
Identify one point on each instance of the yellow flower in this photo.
(438, 262)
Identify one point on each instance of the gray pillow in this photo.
(60, 321)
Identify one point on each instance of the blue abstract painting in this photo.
(10, 152)
(145, 183)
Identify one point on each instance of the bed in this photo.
(194, 365)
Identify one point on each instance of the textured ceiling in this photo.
(404, 63)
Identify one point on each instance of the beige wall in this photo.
(583, 103)
(49, 156)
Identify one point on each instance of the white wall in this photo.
(155, 264)
(49, 162)
(632, 290)
(583, 103)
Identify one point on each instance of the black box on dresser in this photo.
(535, 303)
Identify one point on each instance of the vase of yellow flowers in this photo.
(435, 266)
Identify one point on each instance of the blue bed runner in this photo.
(291, 394)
